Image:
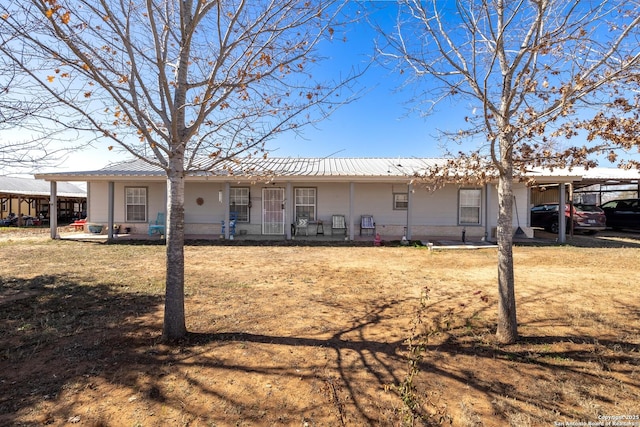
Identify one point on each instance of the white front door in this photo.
(273, 211)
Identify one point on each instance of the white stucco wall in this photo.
(432, 213)
(520, 209)
(98, 203)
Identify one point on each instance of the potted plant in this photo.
(95, 228)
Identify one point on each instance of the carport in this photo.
(589, 186)
(23, 196)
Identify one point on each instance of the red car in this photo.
(588, 219)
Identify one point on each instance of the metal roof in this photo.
(330, 166)
(609, 174)
(323, 167)
(259, 167)
(37, 187)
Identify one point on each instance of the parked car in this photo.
(588, 219)
(11, 219)
(624, 213)
(14, 220)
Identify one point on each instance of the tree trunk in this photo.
(507, 331)
(174, 315)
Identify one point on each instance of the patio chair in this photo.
(233, 218)
(338, 222)
(157, 226)
(302, 223)
(367, 225)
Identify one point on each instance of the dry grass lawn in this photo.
(316, 336)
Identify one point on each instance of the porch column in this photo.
(110, 211)
(562, 228)
(487, 201)
(53, 210)
(352, 187)
(226, 194)
(289, 207)
(20, 219)
(409, 219)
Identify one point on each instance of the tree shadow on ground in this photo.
(544, 379)
(593, 365)
(537, 372)
(60, 335)
(57, 330)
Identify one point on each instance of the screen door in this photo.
(273, 211)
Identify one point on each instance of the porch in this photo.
(65, 234)
(432, 242)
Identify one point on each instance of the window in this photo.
(239, 200)
(305, 203)
(136, 204)
(400, 201)
(470, 203)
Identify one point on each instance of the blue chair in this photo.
(157, 226)
(233, 217)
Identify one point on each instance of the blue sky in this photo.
(377, 124)
(380, 123)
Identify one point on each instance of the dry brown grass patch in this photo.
(315, 336)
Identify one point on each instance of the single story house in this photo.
(265, 197)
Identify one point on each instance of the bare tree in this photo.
(20, 111)
(182, 84)
(525, 67)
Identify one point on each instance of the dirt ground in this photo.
(317, 336)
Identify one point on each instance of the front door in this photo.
(273, 211)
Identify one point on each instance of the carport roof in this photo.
(609, 176)
(37, 187)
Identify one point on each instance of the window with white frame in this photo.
(305, 203)
(470, 201)
(239, 202)
(135, 204)
(400, 201)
